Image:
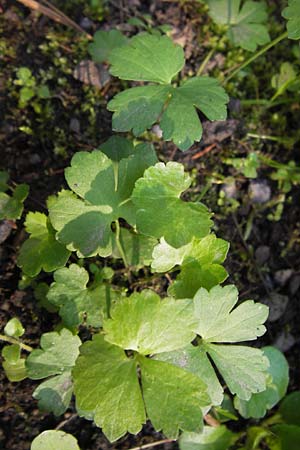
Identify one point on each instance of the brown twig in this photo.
(204, 152)
(54, 14)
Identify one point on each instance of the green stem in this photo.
(119, 245)
(256, 55)
(205, 61)
(12, 340)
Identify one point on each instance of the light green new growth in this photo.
(55, 359)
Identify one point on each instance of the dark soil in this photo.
(253, 263)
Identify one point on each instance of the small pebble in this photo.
(262, 254)
(294, 285)
(259, 191)
(86, 23)
(230, 190)
(157, 131)
(282, 276)
(277, 304)
(284, 341)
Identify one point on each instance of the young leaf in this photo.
(137, 248)
(211, 438)
(145, 323)
(218, 323)
(14, 328)
(75, 301)
(277, 384)
(173, 397)
(54, 440)
(41, 251)
(107, 388)
(195, 360)
(55, 359)
(139, 108)
(13, 364)
(200, 262)
(104, 192)
(292, 14)
(161, 212)
(104, 42)
(246, 22)
(11, 207)
(243, 368)
(147, 58)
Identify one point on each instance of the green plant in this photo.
(29, 89)
(11, 206)
(166, 358)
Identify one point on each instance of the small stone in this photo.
(35, 159)
(157, 131)
(277, 304)
(230, 190)
(282, 276)
(294, 285)
(259, 191)
(5, 229)
(262, 254)
(86, 23)
(284, 342)
(74, 125)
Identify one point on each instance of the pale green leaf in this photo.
(137, 248)
(41, 251)
(54, 395)
(290, 408)
(104, 42)
(76, 302)
(13, 364)
(54, 440)
(218, 323)
(173, 397)
(260, 403)
(243, 368)
(195, 360)
(245, 21)
(14, 328)
(165, 257)
(292, 14)
(104, 188)
(145, 323)
(55, 359)
(147, 57)
(211, 438)
(57, 355)
(161, 212)
(107, 388)
(138, 108)
(11, 207)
